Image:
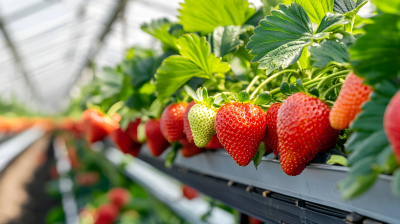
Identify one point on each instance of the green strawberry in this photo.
(202, 117)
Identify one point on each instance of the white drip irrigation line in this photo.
(65, 183)
(168, 190)
(11, 148)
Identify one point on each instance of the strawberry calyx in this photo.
(201, 97)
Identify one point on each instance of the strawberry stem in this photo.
(114, 108)
(333, 75)
(331, 88)
(269, 79)
(254, 81)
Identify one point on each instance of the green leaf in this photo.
(285, 88)
(243, 96)
(225, 40)
(196, 61)
(396, 183)
(337, 159)
(314, 91)
(191, 93)
(205, 94)
(371, 146)
(345, 6)
(160, 29)
(375, 53)
(225, 98)
(111, 82)
(263, 98)
(360, 178)
(293, 88)
(330, 22)
(316, 10)
(258, 156)
(171, 155)
(275, 47)
(386, 160)
(388, 6)
(205, 15)
(328, 51)
(355, 139)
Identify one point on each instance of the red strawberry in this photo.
(132, 130)
(240, 128)
(189, 192)
(97, 125)
(271, 135)
(106, 214)
(186, 124)
(189, 149)
(155, 140)
(119, 197)
(124, 142)
(214, 143)
(303, 131)
(349, 101)
(391, 123)
(171, 122)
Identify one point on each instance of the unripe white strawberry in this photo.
(202, 120)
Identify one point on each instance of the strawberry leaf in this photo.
(205, 15)
(243, 96)
(388, 6)
(314, 91)
(225, 98)
(171, 155)
(349, 8)
(279, 47)
(374, 54)
(191, 92)
(337, 159)
(160, 29)
(196, 61)
(316, 10)
(258, 156)
(225, 39)
(328, 51)
(263, 98)
(285, 89)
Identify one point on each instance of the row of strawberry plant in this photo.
(309, 77)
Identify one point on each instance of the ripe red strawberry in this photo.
(391, 123)
(349, 101)
(119, 197)
(106, 214)
(271, 135)
(155, 140)
(97, 125)
(132, 130)
(303, 132)
(189, 192)
(124, 142)
(186, 124)
(189, 148)
(240, 128)
(171, 122)
(214, 143)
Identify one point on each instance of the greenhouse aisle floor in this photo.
(22, 185)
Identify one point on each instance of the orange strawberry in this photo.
(171, 122)
(240, 128)
(271, 135)
(186, 124)
(349, 101)
(189, 149)
(303, 132)
(391, 123)
(155, 140)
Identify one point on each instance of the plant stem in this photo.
(269, 79)
(114, 108)
(321, 73)
(333, 75)
(253, 81)
(331, 88)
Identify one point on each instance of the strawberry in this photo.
(155, 140)
(124, 142)
(240, 128)
(97, 125)
(171, 122)
(119, 197)
(132, 130)
(391, 123)
(214, 143)
(303, 131)
(189, 192)
(271, 135)
(186, 124)
(201, 116)
(349, 101)
(106, 214)
(189, 149)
